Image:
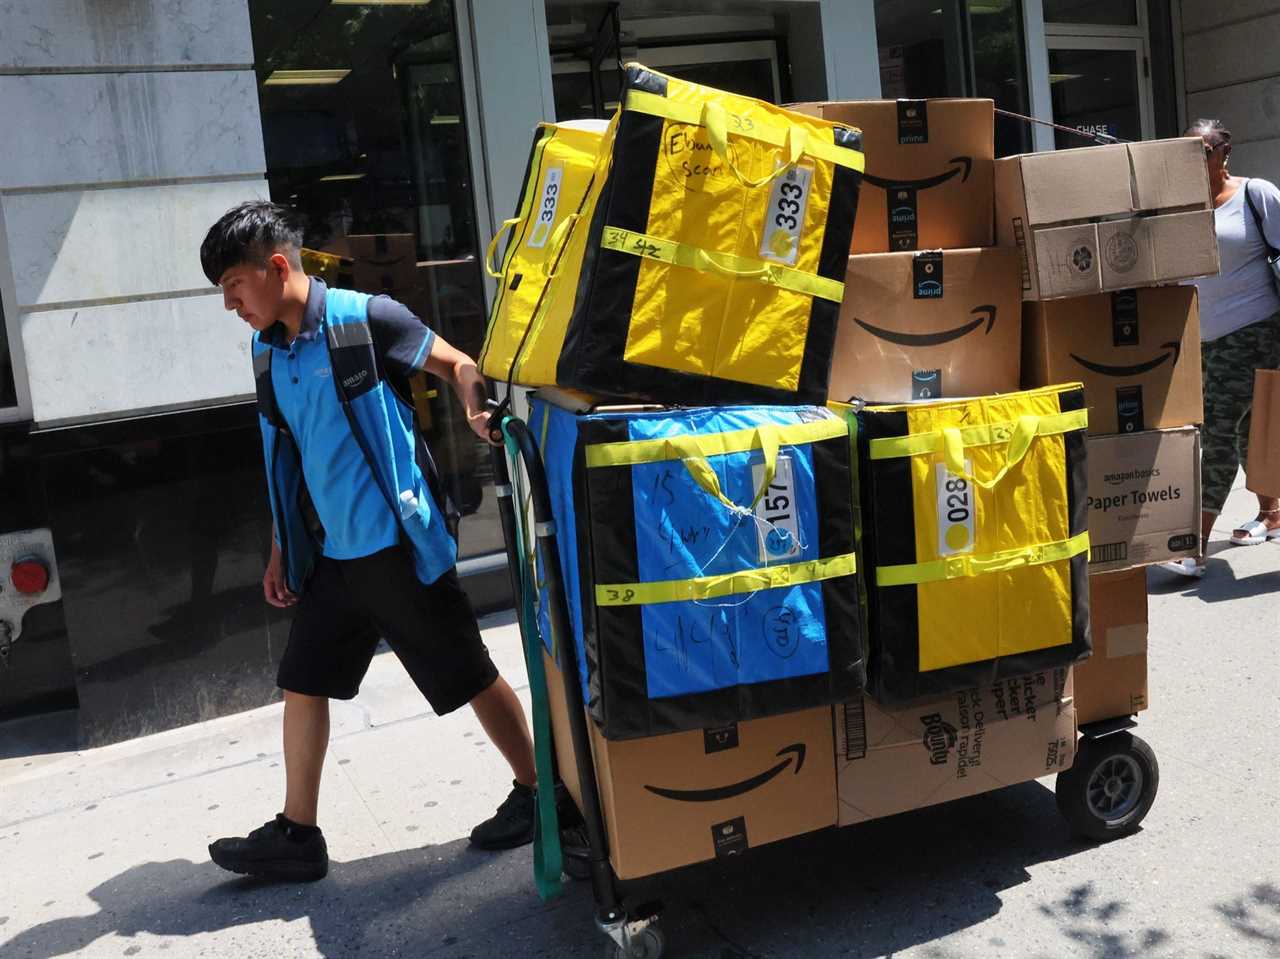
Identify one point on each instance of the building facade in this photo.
(130, 466)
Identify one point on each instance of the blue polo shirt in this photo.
(356, 516)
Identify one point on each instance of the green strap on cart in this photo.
(548, 861)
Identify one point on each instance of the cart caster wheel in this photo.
(1110, 789)
(648, 944)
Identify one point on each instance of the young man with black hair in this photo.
(363, 546)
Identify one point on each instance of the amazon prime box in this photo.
(892, 760)
(923, 325)
(1107, 217)
(929, 177)
(1144, 498)
(707, 793)
(1137, 352)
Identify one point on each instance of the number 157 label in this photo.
(780, 534)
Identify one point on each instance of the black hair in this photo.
(251, 233)
(1211, 131)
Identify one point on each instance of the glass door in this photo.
(1099, 85)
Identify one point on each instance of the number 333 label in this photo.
(784, 217)
(956, 509)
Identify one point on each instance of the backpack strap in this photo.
(265, 389)
(1272, 252)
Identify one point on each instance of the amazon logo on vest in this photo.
(793, 753)
(960, 166)
(1173, 351)
(985, 314)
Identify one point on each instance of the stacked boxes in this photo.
(787, 617)
(930, 307)
(1097, 231)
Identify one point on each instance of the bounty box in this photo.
(708, 559)
(976, 539)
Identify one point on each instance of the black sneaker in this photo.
(275, 850)
(575, 852)
(512, 824)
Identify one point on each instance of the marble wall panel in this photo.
(59, 34)
(106, 361)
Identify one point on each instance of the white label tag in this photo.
(780, 540)
(784, 217)
(546, 216)
(956, 509)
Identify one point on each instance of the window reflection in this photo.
(1116, 12)
(8, 390)
(924, 53)
(365, 132)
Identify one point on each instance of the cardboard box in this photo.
(1137, 352)
(1262, 472)
(929, 177)
(1144, 498)
(924, 325)
(380, 262)
(890, 761)
(687, 797)
(1113, 681)
(1071, 213)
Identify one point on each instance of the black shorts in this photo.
(350, 603)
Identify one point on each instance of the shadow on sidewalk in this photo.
(869, 891)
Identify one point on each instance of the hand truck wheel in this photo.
(648, 943)
(1109, 790)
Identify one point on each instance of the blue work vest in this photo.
(383, 426)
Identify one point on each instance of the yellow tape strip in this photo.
(987, 435)
(739, 267)
(958, 567)
(632, 452)
(743, 126)
(729, 584)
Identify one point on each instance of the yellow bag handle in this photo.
(493, 247)
(716, 119)
(688, 450)
(953, 450)
(707, 260)
(558, 237)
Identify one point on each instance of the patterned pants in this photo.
(1228, 364)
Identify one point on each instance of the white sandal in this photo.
(1255, 534)
(1185, 567)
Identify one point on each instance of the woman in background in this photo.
(1240, 333)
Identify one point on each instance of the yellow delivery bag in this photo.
(976, 539)
(719, 239)
(539, 270)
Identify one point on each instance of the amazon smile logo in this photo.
(985, 314)
(960, 166)
(793, 752)
(1174, 351)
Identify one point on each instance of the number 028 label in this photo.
(956, 509)
(546, 213)
(784, 217)
(777, 507)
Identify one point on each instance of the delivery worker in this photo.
(362, 546)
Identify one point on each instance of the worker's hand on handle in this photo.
(274, 589)
(460, 371)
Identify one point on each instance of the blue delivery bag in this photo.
(709, 561)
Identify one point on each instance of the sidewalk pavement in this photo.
(103, 851)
